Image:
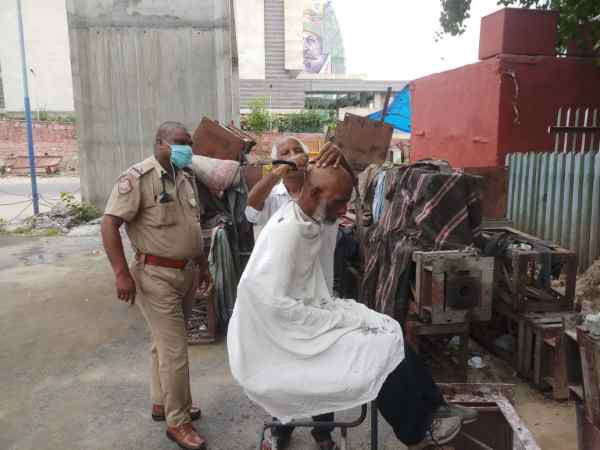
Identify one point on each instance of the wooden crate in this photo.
(416, 330)
(589, 348)
(453, 286)
(543, 354)
(517, 281)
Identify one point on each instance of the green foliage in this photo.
(259, 118)
(43, 115)
(81, 212)
(303, 122)
(307, 121)
(453, 16)
(572, 14)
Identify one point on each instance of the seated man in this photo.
(298, 352)
(284, 184)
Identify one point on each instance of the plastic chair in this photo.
(343, 426)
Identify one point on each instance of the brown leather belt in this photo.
(161, 261)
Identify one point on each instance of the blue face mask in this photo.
(181, 155)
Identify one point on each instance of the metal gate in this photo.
(556, 195)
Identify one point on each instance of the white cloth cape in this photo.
(295, 350)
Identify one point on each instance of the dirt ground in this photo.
(75, 365)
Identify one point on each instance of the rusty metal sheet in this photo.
(499, 426)
(215, 140)
(363, 141)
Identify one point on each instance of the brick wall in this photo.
(48, 137)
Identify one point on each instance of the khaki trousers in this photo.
(165, 297)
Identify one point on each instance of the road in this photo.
(15, 194)
(75, 366)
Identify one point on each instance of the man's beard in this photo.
(320, 214)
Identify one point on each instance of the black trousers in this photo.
(407, 401)
(320, 434)
(408, 398)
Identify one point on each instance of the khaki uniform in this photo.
(168, 229)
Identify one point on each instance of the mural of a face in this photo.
(323, 50)
(314, 56)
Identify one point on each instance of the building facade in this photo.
(288, 50)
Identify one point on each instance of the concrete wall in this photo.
(250, 32)
(47, 47)
(294, 42)
(137, 63)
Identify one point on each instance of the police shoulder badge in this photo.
(124, 185)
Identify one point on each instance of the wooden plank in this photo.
(539, 294)
(590, 366)
(560, 388)
(537, 357)
(521, 347)
(527, 367)
(577, 389)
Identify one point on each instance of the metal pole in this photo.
(34, 190)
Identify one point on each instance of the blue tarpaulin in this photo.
(398, 114)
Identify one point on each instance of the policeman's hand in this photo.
(126, 288)
(330, 155)
(205, 281)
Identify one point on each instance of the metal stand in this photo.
(343, 426)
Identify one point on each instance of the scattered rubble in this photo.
(63, 218)
(588, 288)
(592, 324)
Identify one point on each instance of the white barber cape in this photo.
(296, 351)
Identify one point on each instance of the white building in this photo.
(48, 56)
(289, 50)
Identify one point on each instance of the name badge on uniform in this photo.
(193, 202)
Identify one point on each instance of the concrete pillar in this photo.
(137, 63)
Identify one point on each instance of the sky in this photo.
(395, 39)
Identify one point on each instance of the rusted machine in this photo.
(532, 275)
(453, 286)
(499, 427)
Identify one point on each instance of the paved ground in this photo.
(15, 194)
(75, 365)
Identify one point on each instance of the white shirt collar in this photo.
(280, 189)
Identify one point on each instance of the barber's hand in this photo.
(301, 161)
(205, 281)
(126, 288)
(330, 155)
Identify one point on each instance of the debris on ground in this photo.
(67, 216)
(592, 324)
(588, 288)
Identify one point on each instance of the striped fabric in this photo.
(428, 206)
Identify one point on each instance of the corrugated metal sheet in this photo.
(556, 196)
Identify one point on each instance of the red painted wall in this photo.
(545, 84)
(468, 117)
(455, 115)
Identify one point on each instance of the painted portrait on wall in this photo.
(323, 48)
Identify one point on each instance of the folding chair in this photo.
(343, 426)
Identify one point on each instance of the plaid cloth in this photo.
(428, 206)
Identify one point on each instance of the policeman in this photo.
(157, 200)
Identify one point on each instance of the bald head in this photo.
(326, 193)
